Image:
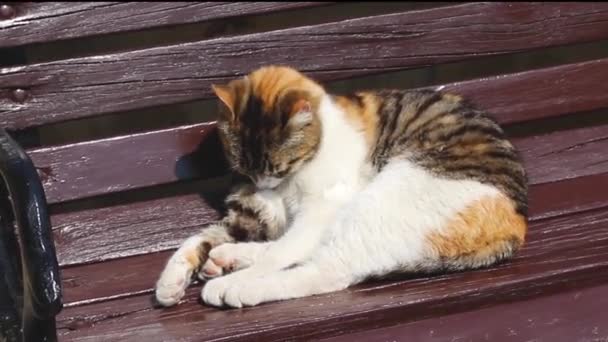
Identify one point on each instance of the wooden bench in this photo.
(121, 199)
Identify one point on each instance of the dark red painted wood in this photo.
(127, 162)
(189, 152)
(99, 281)
(184, 72)
(51, 21)
(565, 154)
(564, 317)
(128, 229)
(556, 255)
(538, 93)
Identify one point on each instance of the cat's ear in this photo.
(227, 95)
(301, 114)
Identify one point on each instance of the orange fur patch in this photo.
(364, 118)
(488, 228)
(268, 83)
(193, 257)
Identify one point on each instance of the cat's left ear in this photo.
(227, 95)
(301, 113)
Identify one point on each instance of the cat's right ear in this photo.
(227, 95)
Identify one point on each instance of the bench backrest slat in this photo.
(132, 194)
(179, 73)
(52, 21)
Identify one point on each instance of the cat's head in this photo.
(268, 123)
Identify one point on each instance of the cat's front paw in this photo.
(243, 294)
(171, 286)
(235, 293)
(231, 257)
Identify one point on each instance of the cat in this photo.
(345, 188)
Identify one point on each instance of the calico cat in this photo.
(349, 188)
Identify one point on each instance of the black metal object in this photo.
(30, 285)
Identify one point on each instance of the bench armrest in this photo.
(24, 203)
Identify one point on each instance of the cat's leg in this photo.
(247, 208)
(251, 216)
(177, 274)
(297, 244)
(406, 220)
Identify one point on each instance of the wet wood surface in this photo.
(180, 73)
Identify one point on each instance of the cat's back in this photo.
(447, 135)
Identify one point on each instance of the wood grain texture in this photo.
(540, 319)
(540, 93)
(127, 162)
(129, 229)
(179, 73)
(137, 230)
(555, 257)
(565, 154)
(190, 152)
(52, 21)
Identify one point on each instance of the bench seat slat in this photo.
(555, 255)
(543, 318)
(129, 162)
(180, 73)
(46, 22)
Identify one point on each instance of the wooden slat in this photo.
(565, 154)
(564, 317)
(98, 282)
(52, 21)
(349, 48)
(130, 162)
(539, 93)
(130, 229)
(558, 258)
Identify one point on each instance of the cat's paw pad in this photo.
(232, 257)
(210, 270)
(171, 287)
